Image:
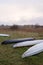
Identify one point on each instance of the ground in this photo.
(12, 56)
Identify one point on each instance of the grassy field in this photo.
(12, 56)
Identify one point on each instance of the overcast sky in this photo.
(21, 12)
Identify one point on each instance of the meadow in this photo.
(12, 56)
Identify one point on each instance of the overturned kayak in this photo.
(33, 50)
(5, 35)
(27, 43)
(17, 40)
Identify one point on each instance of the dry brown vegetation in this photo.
(27, 28)
(12, 56)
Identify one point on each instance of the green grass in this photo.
(12, 56)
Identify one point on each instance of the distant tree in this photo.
(37, 25)
(14, 27)
(2, 25)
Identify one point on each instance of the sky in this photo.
(21, 12)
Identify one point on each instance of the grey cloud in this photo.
(33, 21)
(25, 2)
(25, 5)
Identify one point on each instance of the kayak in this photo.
(17, 40)
(4, 35)
(33, 50)
(27, 43)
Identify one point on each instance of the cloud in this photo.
(33, 21)
(14, 10)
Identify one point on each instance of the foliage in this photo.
(12, 56)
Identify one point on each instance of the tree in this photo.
(14, 27)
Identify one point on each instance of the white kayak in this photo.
(4, 35)
(33, 50)
(27, 43)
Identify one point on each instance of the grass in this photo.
(12, 56)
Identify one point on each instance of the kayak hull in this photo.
(33, 50)
(27, 43)
(6, 35)
(17, 40)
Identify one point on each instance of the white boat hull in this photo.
(27, 43)
(4, 35)
(33, 50)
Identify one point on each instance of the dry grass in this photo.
(12, 56)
